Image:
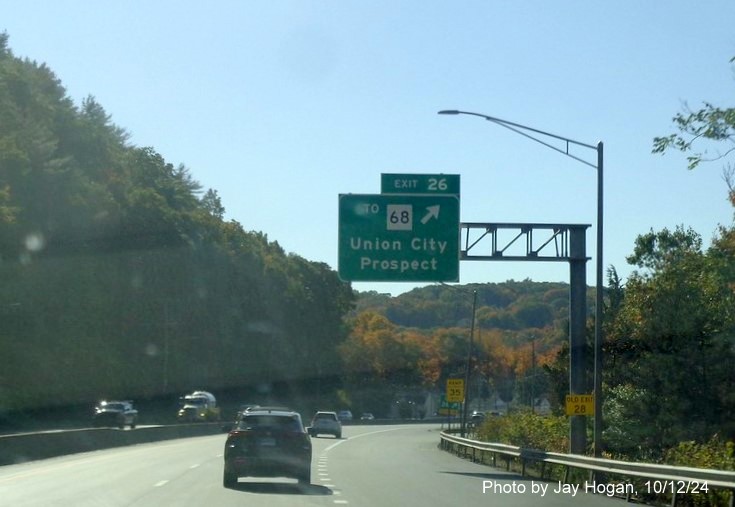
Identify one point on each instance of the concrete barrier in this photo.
(19, 448)
(24, 447)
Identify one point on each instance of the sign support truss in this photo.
(543, 242)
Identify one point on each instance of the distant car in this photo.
(115, 413)
(267, 442)
(367, 416)
(477, 418)
(344, 416)
(244, 408)
(325, 423)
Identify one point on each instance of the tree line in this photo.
(120, 275)
(416, 341)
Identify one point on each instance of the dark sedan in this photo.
(268, 443)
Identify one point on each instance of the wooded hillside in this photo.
(120, 276)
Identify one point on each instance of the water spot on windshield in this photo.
(35, 242)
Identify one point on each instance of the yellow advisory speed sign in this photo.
(580, 404)
(455, 390)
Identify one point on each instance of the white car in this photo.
(325, 423)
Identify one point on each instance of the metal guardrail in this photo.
(670, 479)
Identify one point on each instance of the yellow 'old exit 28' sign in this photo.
(580, 404)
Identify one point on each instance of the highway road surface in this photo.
(370, 466)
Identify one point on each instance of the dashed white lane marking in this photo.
(196, 465)
(160, 483)
(323, 460)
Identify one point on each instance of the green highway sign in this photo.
(447, 407)
(419, 184)
(398, 238)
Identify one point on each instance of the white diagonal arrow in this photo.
(433, 212)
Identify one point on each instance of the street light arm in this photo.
(519, 129)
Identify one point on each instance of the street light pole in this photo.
(524, 131)
(465, 404)
(597, 428)
(469, 364)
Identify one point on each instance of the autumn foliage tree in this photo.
(671, 328)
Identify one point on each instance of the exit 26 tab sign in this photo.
(400, 238)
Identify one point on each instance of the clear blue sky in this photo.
(282, 105)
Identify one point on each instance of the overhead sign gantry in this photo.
(411, 233)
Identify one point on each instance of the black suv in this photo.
(268, 442)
